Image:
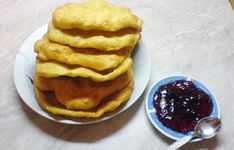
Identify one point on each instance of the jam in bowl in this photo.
(175, 104)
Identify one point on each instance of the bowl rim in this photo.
(158, 83)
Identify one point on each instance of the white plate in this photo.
(24, 70)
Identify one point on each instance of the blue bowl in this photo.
(151, 112)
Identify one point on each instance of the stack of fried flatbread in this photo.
(84, 65)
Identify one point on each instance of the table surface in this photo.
(191, 37)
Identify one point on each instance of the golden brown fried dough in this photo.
(95, 15)
(48, 102)
(80, 93)
(83, 66)
(125, 52)
(52, 69)
(52, 51)
(105, 41)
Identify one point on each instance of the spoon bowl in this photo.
(208, 127)
(205, 128)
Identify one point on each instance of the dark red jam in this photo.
(180, 104)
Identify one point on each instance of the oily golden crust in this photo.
(83, 66)
(125, 52)
(52, 69)
(80, 93)
(94, 39)
(52, 51)
(48, 102)
(95, 15)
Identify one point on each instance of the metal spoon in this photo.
(205, 128)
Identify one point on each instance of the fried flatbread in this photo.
(95, 15)
(50, 69)
(52, 51)
(81, 93)
(106, 41)
(48, 101)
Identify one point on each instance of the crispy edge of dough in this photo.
(98, 42)
(111, 104)
(83, 101)
(52, 51)
(63, 16)
(53, 69)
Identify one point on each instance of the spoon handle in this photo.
(180, 143)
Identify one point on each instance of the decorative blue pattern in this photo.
(151, 110)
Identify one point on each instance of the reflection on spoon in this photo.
(205, 128)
